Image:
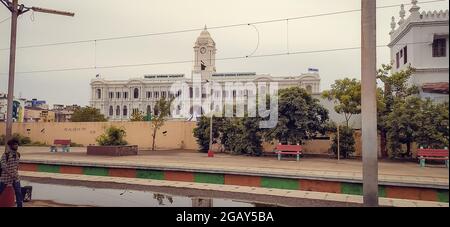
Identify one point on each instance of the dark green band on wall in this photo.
(280, 183)
(150, 174)
(209, 178)
(351, 189)
(48, 168)
(95, 171)
(442, 196)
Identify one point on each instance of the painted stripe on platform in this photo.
(28, 167)
(150, 174)
(280, 183)
(412, 193)
(179, 176)
(209, 178)
(320, 186)
(71, 170)
(95, 171)
(48, 168)
(249, 181)
(405, 192)
(120, 172)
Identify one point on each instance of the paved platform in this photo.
(390, 172)
(240, 189)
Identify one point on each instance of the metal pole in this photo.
(368, 102)
(339, 147)
(12, 65)
(211, 132)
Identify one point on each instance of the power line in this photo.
(4, 20)
(218, 59)
(210, 28)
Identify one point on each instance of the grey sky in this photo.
(109, 18)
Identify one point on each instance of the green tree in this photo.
(202, 131)
(162, 112)
(87, 114)
(346, 141)
(346, 94)
(402, 124)
(433, 125)
(137, 116)
(300, 117)
(113, 136)
(396, 89)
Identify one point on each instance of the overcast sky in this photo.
(110, 18)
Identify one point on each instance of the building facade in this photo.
(421, 41)
(118, 99)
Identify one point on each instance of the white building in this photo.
(116, 99)
(421, 40)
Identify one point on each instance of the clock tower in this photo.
(205, 54)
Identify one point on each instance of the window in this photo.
(149, 94)
(136, 93)
(117, 95)
(118, 111)
(125, 95)
(163, 94)
(111, 95)
(401, 53)
(125, 111)
(156, 94)
(111, 111)
(99, 93)
(405, 55)
(439, 48)
(191, 92)
(398, 60)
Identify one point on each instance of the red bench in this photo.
(64, 144)
(432, 154)
(288, 149)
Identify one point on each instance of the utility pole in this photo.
(368, 102)
(16, 11)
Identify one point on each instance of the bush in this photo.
(346, 142)
(237, 135)
(23, 140)
(72, 144)
(113, 136)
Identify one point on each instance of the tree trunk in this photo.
(383, 144)
(154, 138)
(408, 149)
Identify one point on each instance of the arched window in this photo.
(136, 93)
(149, 110)
(111, 111)
(118, 111)
(99, 93)
(309, 89)
(125, 111)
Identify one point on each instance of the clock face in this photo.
(202, 50)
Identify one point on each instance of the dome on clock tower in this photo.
(205, 39)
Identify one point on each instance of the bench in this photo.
(288, 149)
(64, 144)
(432, 154)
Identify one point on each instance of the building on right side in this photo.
(421, 40)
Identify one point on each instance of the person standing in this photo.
(10, 170)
